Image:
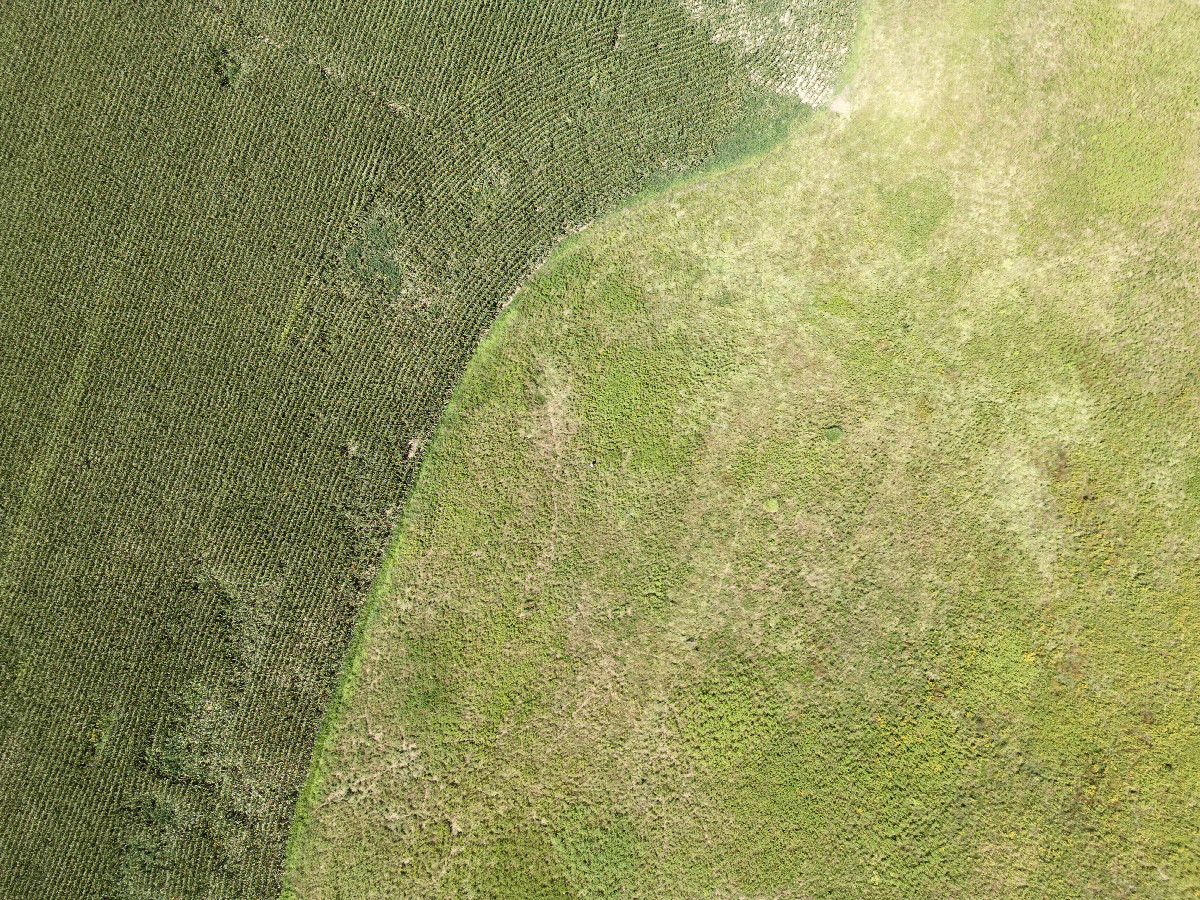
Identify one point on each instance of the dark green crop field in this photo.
(245, 250)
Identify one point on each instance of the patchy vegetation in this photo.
(826, 527)
(247, 249)
(793, 47)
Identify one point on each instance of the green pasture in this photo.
(825, 527)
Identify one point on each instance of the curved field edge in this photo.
(247, 249)
(740, 150)
(827, 526)
(348, 680)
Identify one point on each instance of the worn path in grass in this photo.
(246, 249)
(826, 527)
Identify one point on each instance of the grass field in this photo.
(246, 249)
(826, 527)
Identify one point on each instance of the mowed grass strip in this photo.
(245, 251)
(825, 528)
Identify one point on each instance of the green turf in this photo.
(824, 528)
(245, 250)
